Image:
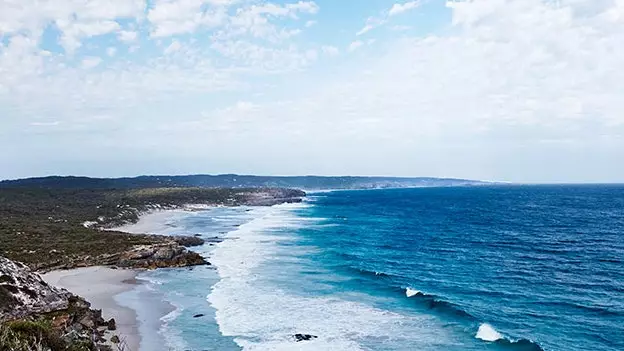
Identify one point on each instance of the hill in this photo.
(234, 181)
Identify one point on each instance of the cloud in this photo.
(74, 32)
(467, 102)
(330, 50)
(371, 23)
(128, 36)
(355, 45)
(398, 9)
(177, 17)
(173, 47)
(247, 34)
(91, 62)
(523, 90)
(75, 20)
(44, 124)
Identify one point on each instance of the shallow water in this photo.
(475, 268)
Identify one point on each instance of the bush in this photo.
(27, 335)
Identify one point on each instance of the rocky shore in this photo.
(163, 252)
(37, 316)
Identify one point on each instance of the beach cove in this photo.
(139, 301)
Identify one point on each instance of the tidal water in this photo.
(467, 268)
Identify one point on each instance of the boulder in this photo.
(111, 324)
(304, 337)
(189, 241)
(87, 322)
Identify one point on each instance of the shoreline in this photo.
(100, 285)
(142, 313)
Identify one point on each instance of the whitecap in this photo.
(487, 332)
(409, 292)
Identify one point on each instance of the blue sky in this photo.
(519, 90)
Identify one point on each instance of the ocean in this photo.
(459, 268)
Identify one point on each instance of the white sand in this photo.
(99, 285)
(155, 222)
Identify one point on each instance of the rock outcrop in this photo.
(35, 313)
(189, 241)
(23, 292)
(163, 255)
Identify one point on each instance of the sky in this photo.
(513, 90)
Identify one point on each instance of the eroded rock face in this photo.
(23, 292)
(25, 297)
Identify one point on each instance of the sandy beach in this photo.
(99, 286)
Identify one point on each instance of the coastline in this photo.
(150, 308)
(99, 285)
(148, 316)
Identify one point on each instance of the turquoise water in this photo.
(474, 268)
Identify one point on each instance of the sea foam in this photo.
(409, 292)
(487, 333)
(262, 316)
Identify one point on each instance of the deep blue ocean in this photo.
(467, 268)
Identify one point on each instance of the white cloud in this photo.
(310, 23)
(111, 51)
(45, 124)
(330, 50)
(91, 62)
(74, 32)
(258, 59)
(371, 23)
(184, 16)
(173, 47)
(74, 19)
(127, 36)
(398, 9)
(355, 45)
(256, 20)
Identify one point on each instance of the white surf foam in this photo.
(172, 337)
(261, 316)
(487, 332)
(409, 292)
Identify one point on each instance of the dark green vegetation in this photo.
(236, 181)
(44, 227)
